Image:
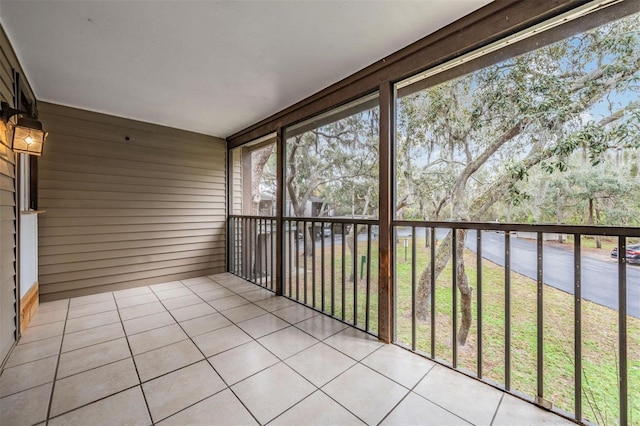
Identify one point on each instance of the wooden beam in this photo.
(385, 247)
(28, 307)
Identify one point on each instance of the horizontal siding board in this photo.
(7, 198)
(7, 169)
(8, 157)
(129, 204)
(7, 227)
(88, 141)
(119, 214)
(83, 165)
(7, 213)
(5, 70)
(127, 236)
(133, 229)
(128, 212)
(203, 175)
(78, 257)
(83, 291)
(7, 264)
(94, 177)
(6, 183)
(128, 196)
(70, 144)
(113, 279)
(118, 122)
(77, 275)
(94, 134)
(125, 187)
(49, 221)
(5, 91)
(126, 245)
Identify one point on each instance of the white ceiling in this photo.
(213, 67)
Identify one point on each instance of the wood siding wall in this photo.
(8, 290)
(124, 213)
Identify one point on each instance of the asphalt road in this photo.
(599, 277)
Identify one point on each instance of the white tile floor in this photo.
(217, 350)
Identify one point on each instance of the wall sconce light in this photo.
(28, 136)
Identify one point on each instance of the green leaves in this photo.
(485, 137)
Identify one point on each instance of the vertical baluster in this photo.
(231, 236)
(249, 265)
(454, 300)
(305, 255)
(313, 264)
(577, 323)
(291, 248)
(274, 255)
(333, 273)
(479, 298)
(297, 254)
(254, 252)
(622, 327)
(265, 268)
(507, 310)
(355, 273)
(432, 283)
(540, 319)
(262, 243)
(413, 288)
(344, 269)
(239, 246)
(368, 295)
(322, 286)
(245, 247)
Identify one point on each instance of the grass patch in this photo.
(599, 327)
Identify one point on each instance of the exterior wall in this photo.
(122, 213)
(8, 223)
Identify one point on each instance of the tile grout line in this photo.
(291, 325)
(135, 366)
(266, 368)
(206, 359)
(290, 408)
(31, 387)
(55, 374)
(406, 395)
(284, 361)
(42, 338)
(495, 413)
(320, 341)
(91, 402)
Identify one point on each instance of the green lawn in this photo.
(599, 329)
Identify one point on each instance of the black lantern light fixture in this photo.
(27, 134)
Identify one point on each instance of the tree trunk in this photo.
(352, 236)
(598, 239)
(351, 239)
(423, 290)
(465, 290)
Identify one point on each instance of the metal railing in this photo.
(252, 248)
(534, 323)
(508, 299)
(329, 266)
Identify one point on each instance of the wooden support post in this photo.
(280, 252)
(385, 284)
